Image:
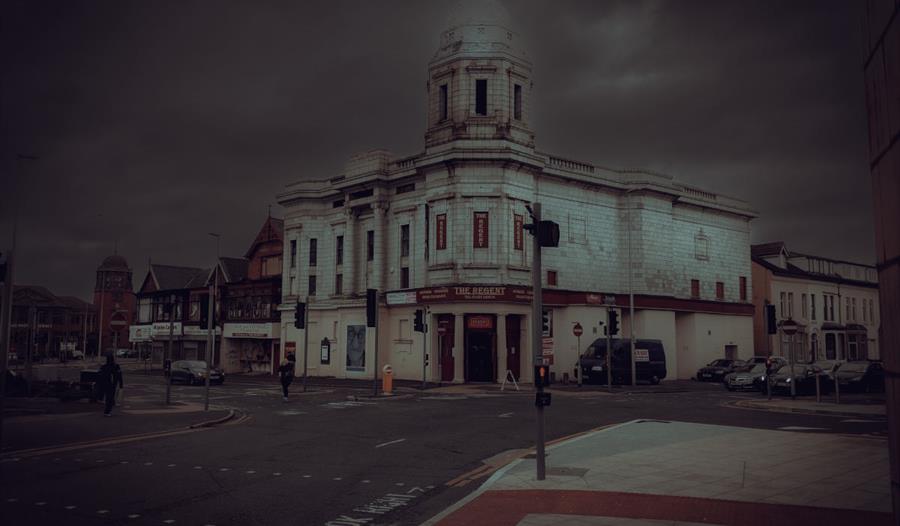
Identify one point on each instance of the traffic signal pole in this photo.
(536, 348)
(609, 330)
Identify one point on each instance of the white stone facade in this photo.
(475, 177)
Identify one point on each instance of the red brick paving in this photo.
(508, 507)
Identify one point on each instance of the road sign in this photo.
(542, 399)
(442, 329)
(577, 330)
(117, 323)
(789, 326)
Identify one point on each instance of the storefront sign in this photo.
(140, 333)
(480, 322)
(401, 298)
(252, 330)
(161, 328)
(518, 241)
(196, 331)
(480, 227)
(513, 294)
(441, 233)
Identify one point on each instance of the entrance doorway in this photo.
(481, 355)
(445, 346)
(513, 346)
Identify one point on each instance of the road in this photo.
(333, 455)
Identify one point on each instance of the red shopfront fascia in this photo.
(480, 322)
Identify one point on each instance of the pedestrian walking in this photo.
(286, 374)
(110, 377)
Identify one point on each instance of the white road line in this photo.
(123, 462)
(171, 466)
(366, 481)
(169, 521)
(801, 428)
(250, 472)
(148, 463)
(70, 507)
(277, 474)
(40, 503)
(307, 476)
(224, 469)
(102, 512)
(198, 467)
(134, 515)
(402, 484)
(391, 442)
(337, 478)
(505, 415)
(99, 461)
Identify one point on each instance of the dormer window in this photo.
(481, 96)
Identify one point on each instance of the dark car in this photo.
(865, 377)
(803, 377)
(716, 370)
(746, 380)
(193, 372)
(649, 361)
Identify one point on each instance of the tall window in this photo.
(790, 304)
(370, 245)
(338, 284)
(853, 309)
(517, 102)
(872, 311)
(695, 288)
(803, 312)
(743, 285)
(312, 286)
(720, 290)
(339, 250)
(783, 309)
(443, 102)
(846, 309)
(481, 96)
(551, 278)
(312, 252)
(812, 307)
(404, 241)
(293, 286)
(404, 278)
(293, 253)
(865, 311)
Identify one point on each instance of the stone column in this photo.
(380, 262)
(349, 265)
(501, 347)
(458, 347)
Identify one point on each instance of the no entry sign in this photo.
(577, 330)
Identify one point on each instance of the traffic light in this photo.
(371, 305)
(300, 316)
(541, 375)
(547, 323)
(548, 234)
(771, 322)
(419, 321)
(613, 322)
(3, 267)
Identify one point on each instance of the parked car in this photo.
(746, 380)
(76, 355)
(803, 377)
(716, 370)
(650, 361)
(866, 377)
(193, 372)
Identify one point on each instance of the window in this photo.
(481, 96)
(853, 309)
(790, 305)
(846, 309)
(804, 313)
(517, 102)
(293, 289)
(312, 286)
(404, 241)
(743, 285)
(370, 245)
(338, 284)
(443, 102)
(695, 288)
(270, 266)
(701, 246)
(720, 291)
(865, 311)
(293, 253)
(551, 278)
(828, 307)
(312, 252)
(337, 204)
(404, 278)
(812, 306)
(872, 311)
(339, 250)
(783, 310)
(404, 188)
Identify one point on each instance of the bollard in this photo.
(818, 390)
(387, 379)
(837, 390)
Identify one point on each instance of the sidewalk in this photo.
(645, 471)
(852, 408)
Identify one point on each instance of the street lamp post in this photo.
(210, 325)
(789, 327)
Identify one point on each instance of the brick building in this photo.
(115, 302)
(53, 326)
(443, 230)
(834, 303)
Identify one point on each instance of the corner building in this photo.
(443, 231)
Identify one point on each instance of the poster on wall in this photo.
(480, 227)
(356, 347)
(441, 229)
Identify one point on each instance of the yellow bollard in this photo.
(387, 379)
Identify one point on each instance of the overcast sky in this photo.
(157, 122)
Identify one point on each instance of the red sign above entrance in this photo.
(480, 322)
(438, 294)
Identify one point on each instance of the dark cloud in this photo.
(157, 122)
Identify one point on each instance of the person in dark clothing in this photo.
(110, 377)
(286, 374)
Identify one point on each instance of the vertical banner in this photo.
(518, 223)
(356, 347)
(441, 235)
(480, 227)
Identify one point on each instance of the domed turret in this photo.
(114, 262)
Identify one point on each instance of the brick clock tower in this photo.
(115, 302)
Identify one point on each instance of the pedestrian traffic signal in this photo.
(547, 323)
(371, 305)
(613, 323)
(541, 376)
(419, 321)
(300, 316)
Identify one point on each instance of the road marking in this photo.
(123, 462)
(277, 474)
(250, 472)
(134, 516)
(337, 478)
(366, 481)
(399, 484)
(473, 473)
(99, 461)
(70, 507)
(307, 476)
(148, 463)
(224, 469)
(40, 503)
(505, 415)
(169, 521)
(198, 467)
(391, 442)
(801, 428)
(859, 421)
(171, 466)
(102, 512)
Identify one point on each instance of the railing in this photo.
(699, 194)
(567, 164)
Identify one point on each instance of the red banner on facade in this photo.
(480, 322)
(441, 235)
(480, 227)
(518, 222)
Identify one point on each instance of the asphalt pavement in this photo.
(333, 455)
